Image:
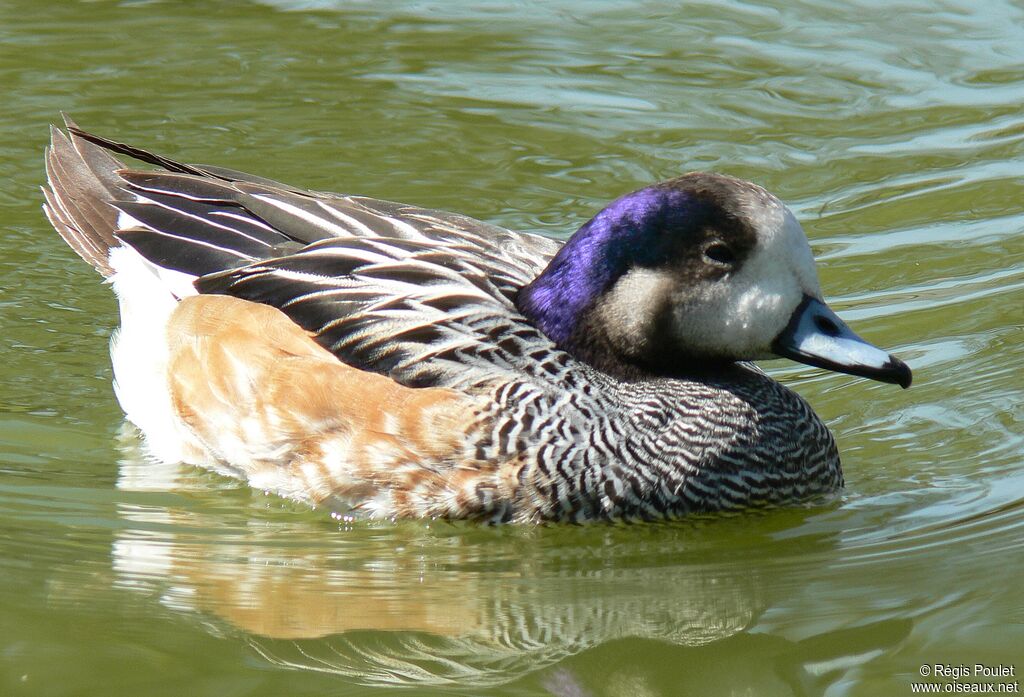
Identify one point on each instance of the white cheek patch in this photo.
(740, 315)
(756, 307)
(739, 319)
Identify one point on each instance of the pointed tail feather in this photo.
(81, 178)
(180, 217)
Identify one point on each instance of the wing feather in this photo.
(384, 309)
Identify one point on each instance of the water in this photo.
(894, 130)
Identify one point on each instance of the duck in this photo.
(383, 360)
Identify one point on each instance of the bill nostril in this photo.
(827, 326)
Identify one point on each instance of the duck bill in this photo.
(816, 336)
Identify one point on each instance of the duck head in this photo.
(691, 272)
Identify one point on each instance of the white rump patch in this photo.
(147, 295)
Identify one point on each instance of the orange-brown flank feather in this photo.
(258, 397)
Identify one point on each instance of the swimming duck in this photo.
(394, 361)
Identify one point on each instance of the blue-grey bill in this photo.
(816, 336)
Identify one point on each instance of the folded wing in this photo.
(421, 295)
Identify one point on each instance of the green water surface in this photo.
(895, 130)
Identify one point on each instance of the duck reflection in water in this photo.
(569, 611)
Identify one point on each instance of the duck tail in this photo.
(81, 180)
(180, 217)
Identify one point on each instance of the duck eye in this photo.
(719, 253)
